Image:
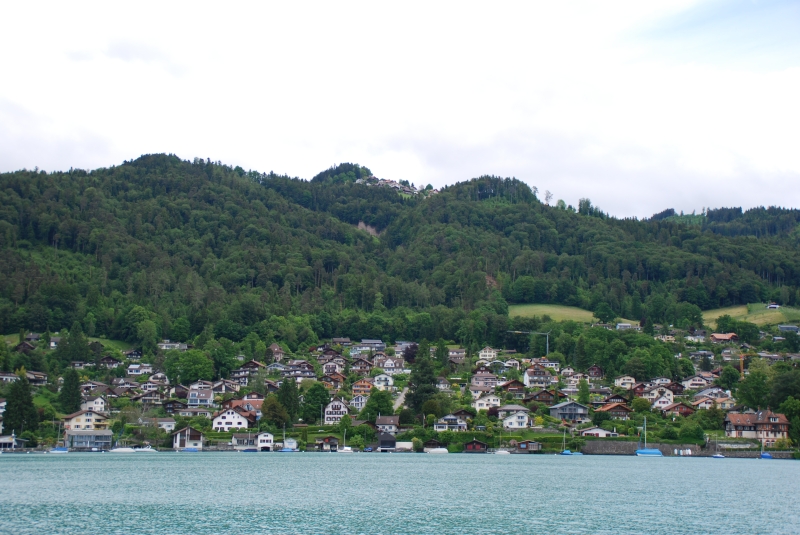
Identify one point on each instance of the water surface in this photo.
(317, 493)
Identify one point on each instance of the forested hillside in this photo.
(164, 248)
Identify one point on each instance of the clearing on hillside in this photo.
(557, 312)
(757, 313)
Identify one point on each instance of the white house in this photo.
(384, 381)
(228, 419)
(663, 401)
(335, 410)
(359, 401)
(187, 438)
(200, 398)
(486, 402)
(487, 353)
(654, 393)
(661, 381)
(95, 403)
(265, 441)
(140, 369)
(517, 420)
(388, 424)
(598, 432)
(167, 424)
(450, 423)
(625, 381)
(694, 382)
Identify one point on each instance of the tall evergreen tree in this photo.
(289, 397)
(422, 382)
(70, 396)
(20, 414)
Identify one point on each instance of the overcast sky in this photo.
(639, 106)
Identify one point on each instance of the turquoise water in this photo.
(321, 493)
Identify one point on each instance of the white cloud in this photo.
(605, 100)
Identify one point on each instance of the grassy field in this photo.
(13, 340)
(557, 312)
(757, 313)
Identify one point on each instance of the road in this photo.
(400, 399)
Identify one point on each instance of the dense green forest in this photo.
(159, 247)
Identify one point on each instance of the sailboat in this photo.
(286, 448)
(345, 448)
(57, 448)
(763, 454)
(717, 454)
(647, 452)
(564, 450)
(117, 449)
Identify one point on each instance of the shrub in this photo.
(691, 431)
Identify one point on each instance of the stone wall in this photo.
(612, 447)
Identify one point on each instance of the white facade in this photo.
(358, 402)
(229, 419)
(266, 441)
(487, 353)
(334, 411)
(384, 381)
(486, 402)
(97, 404)
(518, 420)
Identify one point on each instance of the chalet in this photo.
(363, 387)
(528, 446)
(548, 397)
(88, 386)
(344, 342)
(24, 347)
(233, 418)
(486, 402)
(132, 354)
(478, 391)
(86, 419)
(246, 371)
(172, 406)
(223, 386)
(432, 444)
(616, 410)
(726, 404)
(332, 367)
(187, 437)
(625, 381)
(719, 338)
(516, 420)
(109, 362)
(514, 387)
(506, 410)
(443, 384)
(36, 378)
(616, 398)
(677, 409)
(552, 365)
(475, 446)
(703, 403)
(450, 423)
(694, 382)
(334, 411)
(567, 371)
(663, 401)
(655, 392)
(457, 356)
(483, 377)
(595, 372)
(249, 405)
(570, 411)
(358, 402)
(266, 441)
(139, 369)
(298, 370)
(33, 337)
(388, 424)
(329, 443)
(191, 412)
(89, 439)
(54, 341)
(537, 376)
(332, 382)
(276, 367)
(200, 399)
(676, 388)
(711, 392)
(598, 432)
(167, 424)
(244, 441)
(661, 381)
(361, 366)
(277, 352)
(766, 426)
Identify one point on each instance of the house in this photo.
(625, 381)
(598, 432)
(595, 372)
(333, 381)
(265, 441)
(89, 440)
(528, 446)
(191, 412)
(765, 425)
(484, 377)
(615, 398)
(167, 424)
(187, 437)
(663, 401)
(567, 371)
(711, 392)
(537, 376)
(276, 367)
(358, 402)
(54, 341)
(167, 345)
(506, 410)
(33, 337)
(24, 347)
(548, 397)
(361, 366)
(726, 404)
(86, 419)
(95, 403)
(344, 342)
(624, 326)
(443, 384)
(388, 424)
(616, 410)
(514, 387)
(479, 391)
(431, 444)
(450, 423)
(132, 354)
(676, 388)
(249, 369)
(475, 446)
(661, 381)
(384, 381)
(139, 369)
(363, 387)
(223, 386)
(694, 382)
(486, 402)
(703, 403)
(173, 406)
(457, 355)
(36, 378)
(329, 443)
(244, 441)
(719, 338)
(516, 420)
(393, 366)
(677, 409)
(110, 362)
(487, 353)
(11, 442)
(789, 328)
(233, 418)
(334, 411)
(570, 411)
(200, 399)
(277, 352)
(656, 392)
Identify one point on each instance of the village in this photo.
(352, 396)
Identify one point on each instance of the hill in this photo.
(162, 247)
(757, 313)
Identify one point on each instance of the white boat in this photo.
(502, 452)
(345, 448)
(438, 450)
(59, 449)
(122, 450)
(146, 449)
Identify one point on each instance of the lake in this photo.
(318, 493)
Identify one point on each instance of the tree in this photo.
(417, 445)
(315, 398)
(20, 414)
(422, 383)
(640, 405)
(685, 368)
(728, 378)
(636, 367)
(273, 412)
(691, 431)
(188, 366)
(755, 389)
(784, 386)
(289, 397)
(584, 396)
(442, 353)
(345, 424)
(70, 396)
(790, 408)
(604, 313)
(379, 403)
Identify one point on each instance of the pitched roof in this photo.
(387, 420)
(614, 407)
